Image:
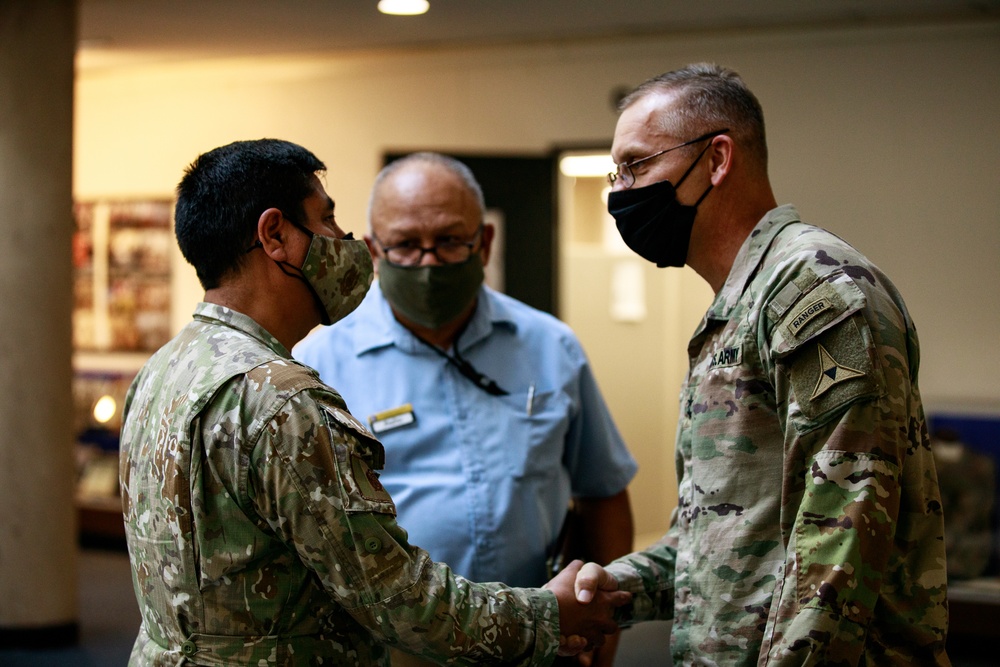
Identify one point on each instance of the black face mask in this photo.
(653, 223)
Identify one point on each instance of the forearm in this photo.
(445, 617)
(608, 532)
(606, 527)
(649, 576)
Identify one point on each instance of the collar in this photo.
(748, 260)
(376, 327)
(227, 317)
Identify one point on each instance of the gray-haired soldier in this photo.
(809, 526)
(258, 530)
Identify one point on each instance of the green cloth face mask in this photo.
(431, 295)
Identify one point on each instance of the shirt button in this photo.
(189, 648)
(373, 545)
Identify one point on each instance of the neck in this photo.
(714, 246)
(281, 319)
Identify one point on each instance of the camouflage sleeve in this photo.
(844, 369)
(649, 576)
(319, 492)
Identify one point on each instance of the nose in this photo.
(428, 257)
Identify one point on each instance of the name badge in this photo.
(388, 420)
(726, 357)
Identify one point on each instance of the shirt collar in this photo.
(211, 312)
(748, 259)
(377, 327)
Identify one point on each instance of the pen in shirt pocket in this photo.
(531, 399)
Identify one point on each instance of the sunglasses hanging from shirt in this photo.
(465, 368)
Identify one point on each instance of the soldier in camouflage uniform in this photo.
(809, 526)
(258, 531)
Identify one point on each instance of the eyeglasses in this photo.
(623, 170)
(449, 250)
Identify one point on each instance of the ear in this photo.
(489, 231)
(720, 158)
(272, 231)
(374, 249)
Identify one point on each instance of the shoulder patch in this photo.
(347, 419)
(809, 313)
(369, 485)
(828, 304)
(368, 445)
(359, 456)
(833, 370)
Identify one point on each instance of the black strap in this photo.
(465, 368)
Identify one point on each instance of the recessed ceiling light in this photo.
(403, 7)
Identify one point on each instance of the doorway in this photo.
(520, 198)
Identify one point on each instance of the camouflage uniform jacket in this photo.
(259, 533)
(809, 527)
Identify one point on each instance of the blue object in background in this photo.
(980, 433)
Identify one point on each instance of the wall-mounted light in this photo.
(403, 7)
(105, 409)
(582, 166)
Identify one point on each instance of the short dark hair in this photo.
(711, 98)
(224, 191)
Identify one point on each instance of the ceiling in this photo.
(115, 32)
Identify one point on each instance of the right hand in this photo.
(584, 625)
(592, 578)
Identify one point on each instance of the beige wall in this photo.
(887, 136)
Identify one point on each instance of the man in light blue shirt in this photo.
(491, 418)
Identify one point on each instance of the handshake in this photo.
(588, 596)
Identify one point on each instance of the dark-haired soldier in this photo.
(258, 530)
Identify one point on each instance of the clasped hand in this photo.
(586, 606)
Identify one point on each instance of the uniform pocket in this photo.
(537, 424)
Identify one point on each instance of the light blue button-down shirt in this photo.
(482, 482)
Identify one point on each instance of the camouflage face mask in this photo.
(339, 273)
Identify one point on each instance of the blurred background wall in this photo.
(888, 136)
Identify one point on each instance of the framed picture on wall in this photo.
(121, 262)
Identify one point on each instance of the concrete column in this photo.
(38, 563)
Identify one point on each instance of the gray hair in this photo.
(449, 163)
(710, 98)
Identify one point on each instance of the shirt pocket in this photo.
(537, 424)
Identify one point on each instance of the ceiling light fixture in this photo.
(584, 166)
(403, 7)
(105, 409)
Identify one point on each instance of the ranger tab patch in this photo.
(807, 314)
